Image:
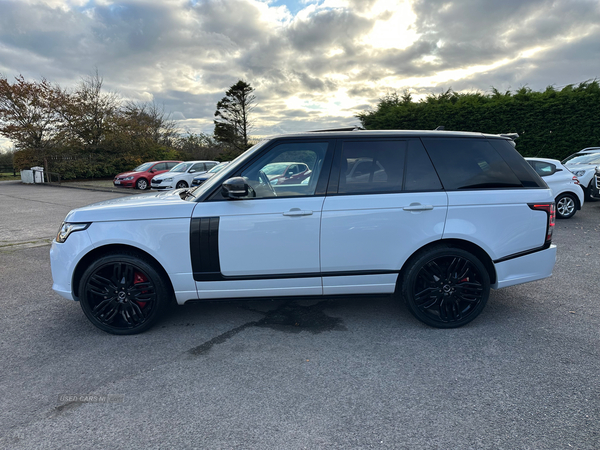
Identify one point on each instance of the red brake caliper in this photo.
(137, 279)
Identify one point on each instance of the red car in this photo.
(139, 178)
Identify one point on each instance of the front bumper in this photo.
(523, 269)
(63, 260)
(595, 187)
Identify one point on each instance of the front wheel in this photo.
(566, 206)
(181, 185)
(445, 287)
(141, 184)
(122, 293)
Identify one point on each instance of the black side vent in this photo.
(204, 247)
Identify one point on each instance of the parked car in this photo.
(457, 214)
(139, 178)
(197, 181)
(595, 190)
(583, 165)
(286, 172)
(565, 186)
(181, 175)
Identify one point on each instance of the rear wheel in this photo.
(122, 293)
(141, 184)
(566, 206)
(445, 287)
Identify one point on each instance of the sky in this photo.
(314, 64)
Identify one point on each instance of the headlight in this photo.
(168, 179)
(67, 228)
(579, 173)
(128, 178)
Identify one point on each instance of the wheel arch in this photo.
(570, 194)
(115, 248)
(468, 246)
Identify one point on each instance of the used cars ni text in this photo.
(449, 216)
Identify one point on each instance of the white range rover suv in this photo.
(438, 219)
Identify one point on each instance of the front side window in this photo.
(160, 166)
(372, 166)
(270, 175)
(198, 167)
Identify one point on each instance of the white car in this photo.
(583, 165)
(455, 215)
(565, 186)
(181, 175)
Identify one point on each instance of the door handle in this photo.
(418, 207)
(297, 212)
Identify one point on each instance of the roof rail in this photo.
(440, 128)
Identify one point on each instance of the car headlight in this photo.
(128, 178)
(67, 228)
(579, 173)
(168, 179)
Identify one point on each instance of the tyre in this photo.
(181, 184)
(445, 287)
(566, 206)
(122, 293)
(141, 184)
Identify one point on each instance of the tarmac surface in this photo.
(344, 373)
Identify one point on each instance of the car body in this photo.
(286, 172)
(565, 186)
(197, 181)
(139, 178)
(181, 175)
(455, 215)
(583, 165)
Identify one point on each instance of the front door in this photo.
(265, 244)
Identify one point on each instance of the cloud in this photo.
(313, 62)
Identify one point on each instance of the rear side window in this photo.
(517, 163)
(543, 169)
(470, 164)
(372, 166)
(170, 165)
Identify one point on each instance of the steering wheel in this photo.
(264, 179)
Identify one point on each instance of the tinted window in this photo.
(420, 174)
(170, 165)
(160, 166)
(210, 165)
(198, 167)
(519, 166)
(372, 166)
(470, 164)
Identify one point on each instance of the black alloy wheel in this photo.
(141, 184)
(122, 293)
(445, 287)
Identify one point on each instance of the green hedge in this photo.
(551, 124)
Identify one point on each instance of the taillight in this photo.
(575, 180)
(551, 211)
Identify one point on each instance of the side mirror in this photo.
(192, 171)
(152, 171)
(235, 187)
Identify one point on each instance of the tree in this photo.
(232, 117)
(87, 114)
(27, 115)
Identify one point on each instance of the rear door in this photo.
(384, 202)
